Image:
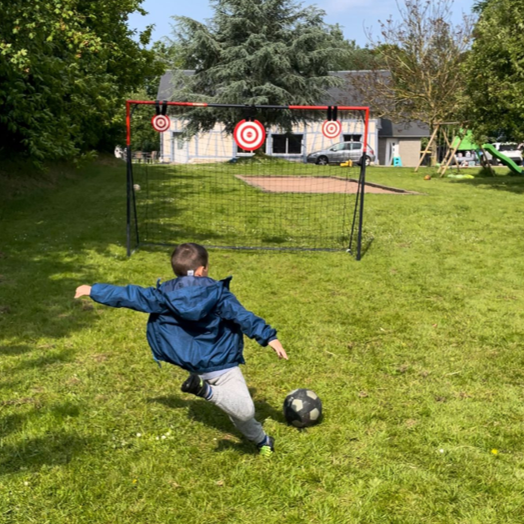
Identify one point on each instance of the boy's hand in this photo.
(279, 350)
(82, 291)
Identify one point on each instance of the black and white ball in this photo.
(302, 408)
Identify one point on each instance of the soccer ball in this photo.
(136, 187)
(302, 408)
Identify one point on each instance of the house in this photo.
(393, 139)
(385, 138)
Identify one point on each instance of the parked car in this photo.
(342, 152)
(509, 149)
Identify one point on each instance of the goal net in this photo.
(229, 176)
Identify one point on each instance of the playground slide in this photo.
(503, 158)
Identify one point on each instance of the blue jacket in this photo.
(195, 322)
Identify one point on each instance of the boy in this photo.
(196, 323)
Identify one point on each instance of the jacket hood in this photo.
(193, 298)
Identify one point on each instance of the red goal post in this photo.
(331, 110)
(129, 103)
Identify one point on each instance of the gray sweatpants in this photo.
(231, 395)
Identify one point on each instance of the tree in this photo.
(418, 75)
(495, 71)
(353, 57)
(169, 53)
(256, 52)
(65, 67)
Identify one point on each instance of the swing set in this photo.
(445, 144)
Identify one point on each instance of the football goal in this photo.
(246, 177)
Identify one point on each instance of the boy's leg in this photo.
(231, 395)
(194, 384)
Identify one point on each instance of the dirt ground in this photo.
(305, 184)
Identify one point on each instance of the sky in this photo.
(356, 17)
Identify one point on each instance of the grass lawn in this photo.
(213, 204)
(416, 352)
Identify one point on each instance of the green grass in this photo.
(416, 352)
(210, 204)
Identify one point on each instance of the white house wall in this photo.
(216, 146)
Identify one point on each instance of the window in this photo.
(352, 138)
(177, 137)
(245, 151)
(287, 144)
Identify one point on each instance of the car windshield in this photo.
(337, 147)
(508, 147)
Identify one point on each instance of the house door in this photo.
(392, 150)
(179, 149)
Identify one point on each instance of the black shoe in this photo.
(267, 448)
(194, 384)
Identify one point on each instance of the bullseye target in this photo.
(249, 135)
(161, 123)
(331, 128)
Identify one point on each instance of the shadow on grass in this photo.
(13, 350)
(510, 183)
(366, 246)
(243, 446)
(11, 385)
(32, 454)
(46, 238)
(46, 360)
(52, 449)
(46, 310)
(207, 413)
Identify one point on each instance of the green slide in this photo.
(504, 159)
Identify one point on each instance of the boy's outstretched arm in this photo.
(146, 300)
(251, 325)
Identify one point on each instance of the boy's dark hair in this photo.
(188, 257)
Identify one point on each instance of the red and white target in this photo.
(161, 123)
(331, 128)
(249, 135)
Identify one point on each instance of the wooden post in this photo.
(451, 154)
(428, 147)
(486, 162)
(445, 165)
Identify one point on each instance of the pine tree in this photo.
(256, 52)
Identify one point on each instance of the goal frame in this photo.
(357, 222)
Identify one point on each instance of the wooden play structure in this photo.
(447, 140)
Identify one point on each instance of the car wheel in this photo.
(322, 161)
(368, 161)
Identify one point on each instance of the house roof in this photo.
(413, 129)
(345, 95)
